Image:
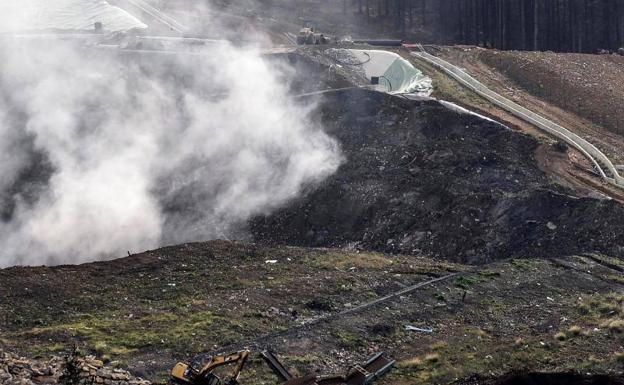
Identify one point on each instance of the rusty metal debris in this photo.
(185, 374)
(375, 367)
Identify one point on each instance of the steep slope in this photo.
(419, 177)
(589, 85)
(580, 92)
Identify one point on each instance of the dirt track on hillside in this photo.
(584, 93)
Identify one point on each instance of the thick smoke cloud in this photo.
(103, 153)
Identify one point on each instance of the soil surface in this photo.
(147, 311)
(423, 191)
(579, 91)
(418, 177)
(545, 379)
(590, 85)
(571, 168)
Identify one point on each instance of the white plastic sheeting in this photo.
(63, 15)
(461, 110)
(396, 75)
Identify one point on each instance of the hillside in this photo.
(175, 302)
(422, 178)
(578, 91)
(589, 85)
(324, 201)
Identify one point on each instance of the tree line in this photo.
(558, 25)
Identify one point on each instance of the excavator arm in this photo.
(185, 374)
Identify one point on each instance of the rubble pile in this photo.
(15, 370)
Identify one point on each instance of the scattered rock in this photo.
(18, 370)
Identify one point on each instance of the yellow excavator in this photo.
(185, 374)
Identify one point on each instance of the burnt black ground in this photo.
(421, 178)
(545, 379)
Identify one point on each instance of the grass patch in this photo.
(521, 264)
(616, 278)
(440, 297)
(601, 306)
(122, 336)
(432, 358)
(487, 273)
(575, 330)
(347, 340)
(344, 261)
(410, 363)
(464, 282)
(439, 346)
(616, 326)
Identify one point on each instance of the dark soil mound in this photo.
(545, 379)
(421, 178)
(560, 379)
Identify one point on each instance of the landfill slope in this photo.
(419, 178)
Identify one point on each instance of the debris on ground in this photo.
(411, 328)
(16, 370)
(183, 373)
(375, 367)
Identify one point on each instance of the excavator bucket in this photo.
(276, 366)
(375, 367)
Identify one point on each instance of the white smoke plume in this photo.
(103, 153)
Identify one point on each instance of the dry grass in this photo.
(561, 336)
(432, 358)
(441, 345)
(411, 363)
(344, 261)
(575, 330)
(616, 326)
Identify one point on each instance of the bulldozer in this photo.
(185, 374)
(308, 36)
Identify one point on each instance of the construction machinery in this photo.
(308, 36)
(185, 374)
(375, 367)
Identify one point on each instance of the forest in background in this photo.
(589, 26)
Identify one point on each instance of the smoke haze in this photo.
(103, 153)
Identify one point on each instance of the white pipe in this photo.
(591, 152)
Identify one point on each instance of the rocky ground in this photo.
(149, 310)
(70, 369)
